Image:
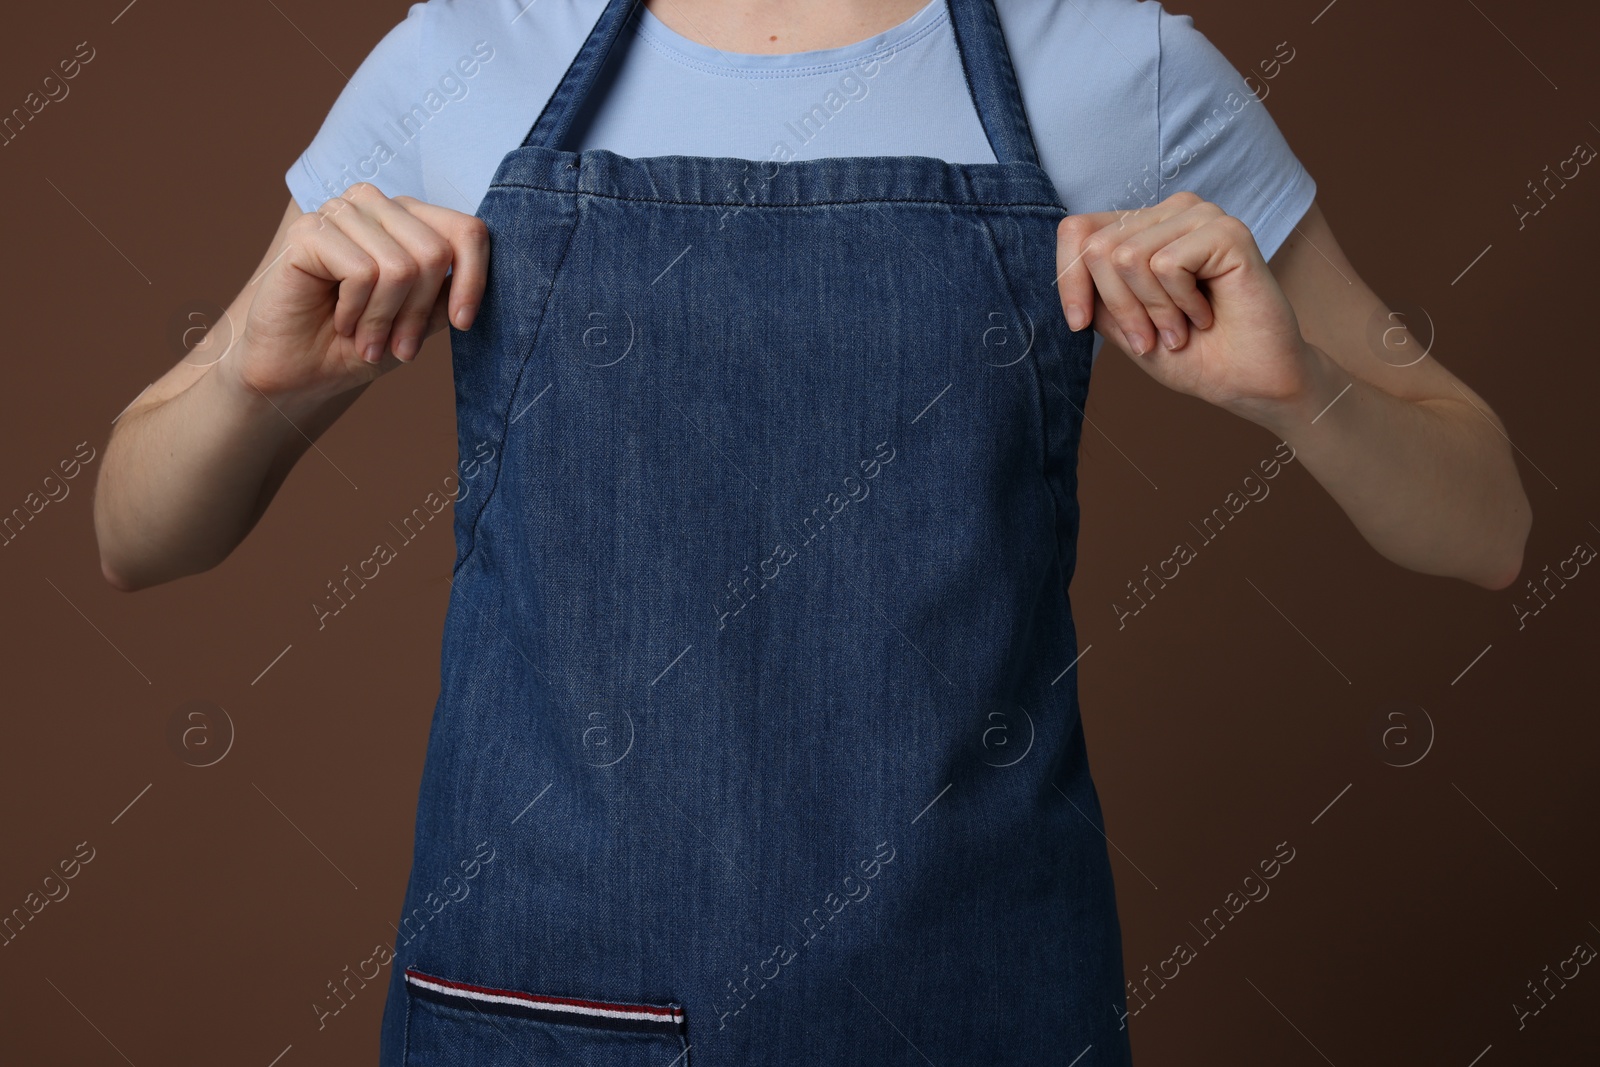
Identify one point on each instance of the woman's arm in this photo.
(341, 296)
(1417, 460)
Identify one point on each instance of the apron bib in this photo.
(757, 740)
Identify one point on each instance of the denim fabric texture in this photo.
(756, 742)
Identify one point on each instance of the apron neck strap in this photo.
(991, 80)
(555, 121)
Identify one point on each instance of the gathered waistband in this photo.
(727, 181)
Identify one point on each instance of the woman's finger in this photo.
(1072, 277)
(397, 272)
(1158, 278)
(1202, 254)
(1075, 279)
(468, 236)
(321, 250)
(438, 314)
(1123, 306)
(426, 248)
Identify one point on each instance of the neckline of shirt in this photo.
(705, 58)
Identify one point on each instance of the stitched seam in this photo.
(505, 427)
(1274, 208)
(460, 1001)
(405, 1039)
(422, 142)
(575, 1024)
(769, 75)
(1038, 374)
(744, 204)
(890, 48)
(316, 182)
(1161, 149)
(1057, 507)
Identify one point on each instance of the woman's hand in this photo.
(361, 283)
(1182, 286)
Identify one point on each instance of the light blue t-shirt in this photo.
(1128, 104)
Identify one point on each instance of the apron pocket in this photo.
(450, 1023)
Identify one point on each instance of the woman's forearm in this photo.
(184, 480)
(342, 295)
(1431, 484)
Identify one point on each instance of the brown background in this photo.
(1421, 899)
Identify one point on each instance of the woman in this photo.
(771, 339)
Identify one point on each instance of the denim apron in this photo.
(757, 740)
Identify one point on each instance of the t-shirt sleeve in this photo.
(1218, 140)
(367, 134)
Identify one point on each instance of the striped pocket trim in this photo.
(593, 1013)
